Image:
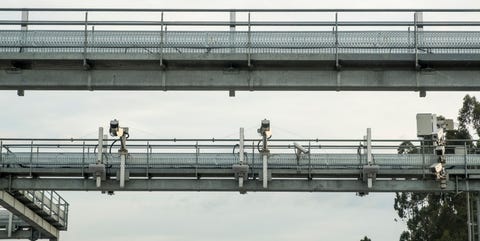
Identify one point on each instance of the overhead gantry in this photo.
(311, 165)
(241, 50)
(31, 169)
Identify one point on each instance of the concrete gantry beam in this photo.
(22, 211)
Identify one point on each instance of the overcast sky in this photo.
(227, 216)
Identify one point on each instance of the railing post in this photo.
(233, 17)
(83, 159)
(249, 51)
(337, 62)
(469, 218)
(66, 214)
(31, 157)
(25, 16)
(85, 42)
(477, 200)
(422, 143)
(24, 29)
(415, 28)
(43, 201)
(309, 161)
(161, 42)
(51, 203)
(1, 153)
(253, 160)
(197, 152)
(148, 159)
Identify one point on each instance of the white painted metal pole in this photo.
(242, 156)
(240, 182)
(242, 144)
(100, 146)
(99, 181)
(369, 146)
(265, 170)
(122, 170)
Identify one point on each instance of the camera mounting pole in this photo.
(266, 134)
(122, 133)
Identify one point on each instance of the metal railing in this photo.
(48, 204)
(335, 36)
(223, 153)
(149, 42)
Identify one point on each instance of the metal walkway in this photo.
(179, 52)
(255, 42)
(211, 165)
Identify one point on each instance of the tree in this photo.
(365, 239)
(440, 216)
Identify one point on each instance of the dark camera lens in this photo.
(114, 124)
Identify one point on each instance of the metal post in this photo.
(122, 170)
(477, 204)
(253, 160)
(24, 25)
(337, 62)
(24, 28)
(1, 153)
(83, 158)
(242, 137)
(241, 161)
(249, 41)
(148, 159)
(197, 152)
(31, 157)
(309, 161)
(477, 199)
(469, 219)
(161, 42)
(369, 146)
(465, 159)
(99, 153)
(233, 17)
(422, 143)
(265, 170)
(123, 157)
(10, 224)
(85, 41)
(415, 34)
(100, 146)
(43, 198)
(51, 203)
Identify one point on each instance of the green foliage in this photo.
(432, 216)
(365, 239)
(407, 147)
(435, 216)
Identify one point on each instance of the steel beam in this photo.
(22, 211)
(228, 185)
(24, 234)
(275, 80)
